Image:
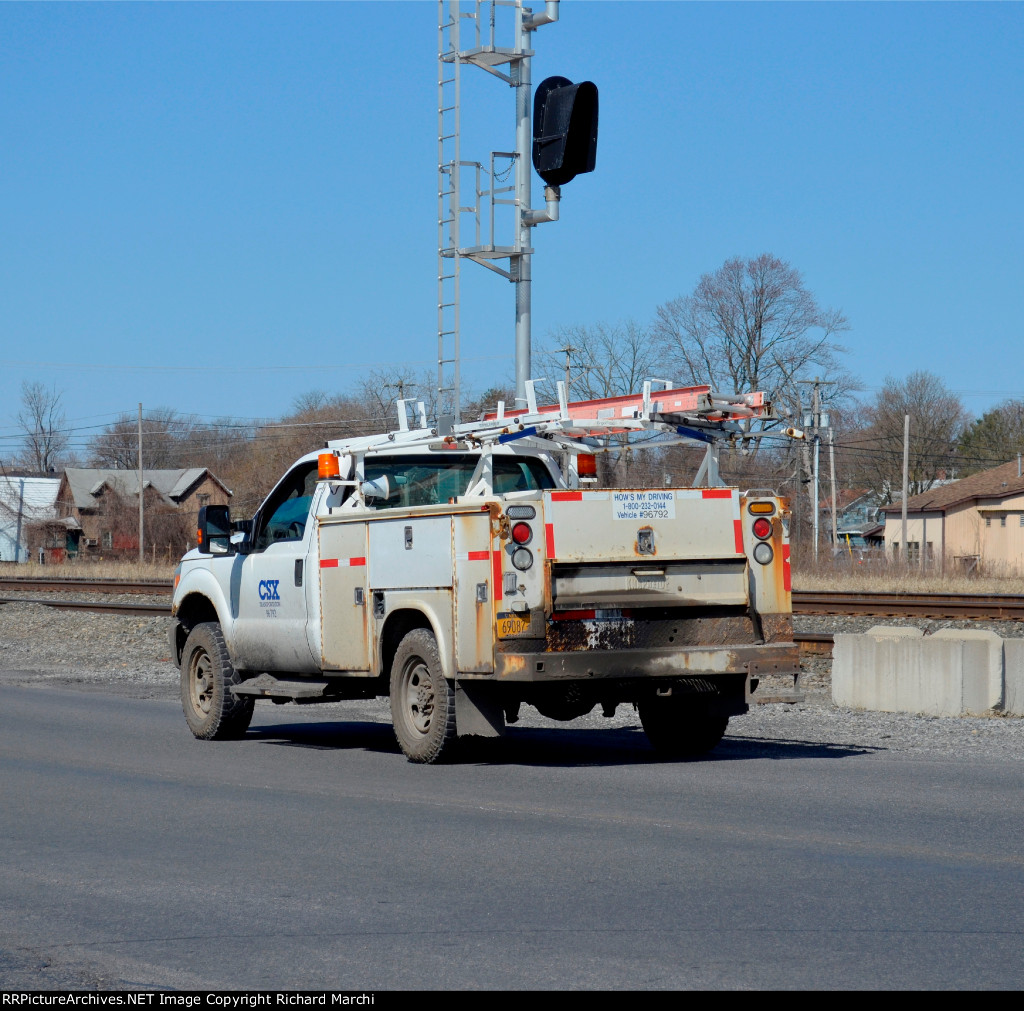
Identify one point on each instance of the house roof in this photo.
(998, 482)
(32, 498)
(85, 483)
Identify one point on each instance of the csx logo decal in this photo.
(268, 589)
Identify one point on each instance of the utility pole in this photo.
(832, 475)
(142, 553)
(816, 422)
(906, 468)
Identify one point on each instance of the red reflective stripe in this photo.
(496, 569)
(479, 556)
(357, 561)
(328, 563)
(567, 496)
(787, 575)
(737, 526)
(549, 538)
(716, 493)
(572, 615)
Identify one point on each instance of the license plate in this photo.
(512, 624)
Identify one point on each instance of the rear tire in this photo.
(677, 729)
(422, 700)
(212, 712)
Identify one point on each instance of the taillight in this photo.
(763, 553)
(762, 528)
(522, 533)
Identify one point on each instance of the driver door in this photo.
(272, 608)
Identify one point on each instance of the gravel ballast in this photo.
(130, 656)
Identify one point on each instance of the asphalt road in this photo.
(311, 855)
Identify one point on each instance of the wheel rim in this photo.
(200, 681)
(417, 696)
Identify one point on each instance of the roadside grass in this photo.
(895, 578)
(99, 569)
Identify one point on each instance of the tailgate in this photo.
(645, 547)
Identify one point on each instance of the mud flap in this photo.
(478, 712)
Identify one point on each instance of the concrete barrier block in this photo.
(895, 632)
(983, 672)
(909, 674)
(1013, 677)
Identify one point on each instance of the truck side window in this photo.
(285, 513)
(421, 480)
(520, 474)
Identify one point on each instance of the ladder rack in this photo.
(684, 414)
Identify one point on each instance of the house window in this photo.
(108, 539)
(913, 551)
(203, 500)
(988, 521)
(1002, 521)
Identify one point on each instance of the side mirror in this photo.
(378, 488)
(214, 533)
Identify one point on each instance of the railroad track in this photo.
(988, 607)
(984, 606)
(156, 587)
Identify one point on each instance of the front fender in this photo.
(200, 596)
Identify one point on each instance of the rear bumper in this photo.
(753, 660)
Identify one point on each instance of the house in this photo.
(970, 525)
(24, 501)
(858, 513)
(105, 505)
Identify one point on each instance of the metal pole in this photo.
(906, 467)
(816, 413)
(832, 474)
(817, 446)
(524, 165)
(141, 549)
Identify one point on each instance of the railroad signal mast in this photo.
(561, 142)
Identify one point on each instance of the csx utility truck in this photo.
(466, 570)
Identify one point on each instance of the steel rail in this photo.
(156, 587)
(991, 607)
(99, 606)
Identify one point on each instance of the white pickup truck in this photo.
(464, 572)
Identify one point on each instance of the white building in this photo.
(24, 500)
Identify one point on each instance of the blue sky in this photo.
(218, 207)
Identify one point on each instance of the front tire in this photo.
(422, 700)
(212, 712)
(677, 729)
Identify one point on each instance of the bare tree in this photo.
(45, 426)
(603, 360)
(938, 421)
(166, 440)
(381, 390)
(476, 408)
(752, 325)
(606, 360)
